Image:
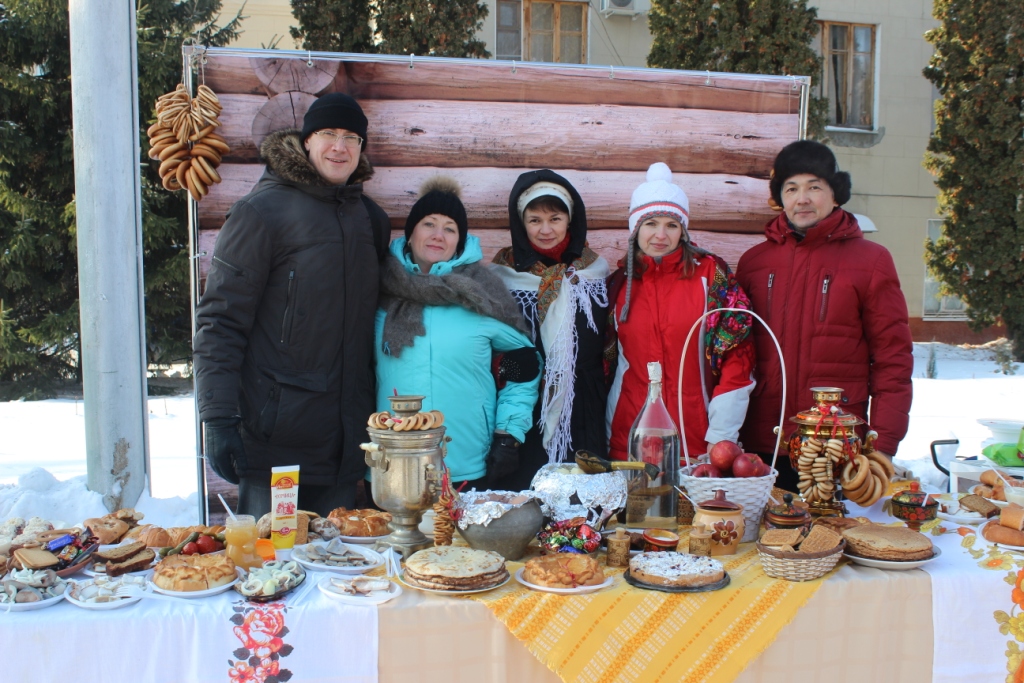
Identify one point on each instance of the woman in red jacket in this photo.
(669, 282)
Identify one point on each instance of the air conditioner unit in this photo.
(619, 7)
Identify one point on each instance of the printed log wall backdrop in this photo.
(485, 122)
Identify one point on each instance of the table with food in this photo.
(600, 571)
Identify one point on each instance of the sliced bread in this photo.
(119, 553)
(136, 562)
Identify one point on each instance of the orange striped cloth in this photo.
(625, 634)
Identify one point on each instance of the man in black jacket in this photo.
(284, 343)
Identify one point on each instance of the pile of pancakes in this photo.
(456, 569)
(879, 542)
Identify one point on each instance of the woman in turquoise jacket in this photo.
(443, 318)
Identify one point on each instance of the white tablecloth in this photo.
(220, 639)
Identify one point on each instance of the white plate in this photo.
(892, 564)
(1007, 546)
(29, 606)
(961, 519)
(947, 497)
(101, 606)
(579, 590)
(401, 578)
(195, 594)
(374, 598)
(363, 540)
(375, 558)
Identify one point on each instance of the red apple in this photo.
(747, 465)
(722, 455)
(707, 471)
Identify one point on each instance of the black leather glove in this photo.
(503, 458)
(224, 449)
(519, 365)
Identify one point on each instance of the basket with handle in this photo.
(750, 492)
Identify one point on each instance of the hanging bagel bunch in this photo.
(184, 142)
(865, 479)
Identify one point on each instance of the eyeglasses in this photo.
(332, 137)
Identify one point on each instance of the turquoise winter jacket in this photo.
(451, 366)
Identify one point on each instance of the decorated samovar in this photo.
(406, 459)
(829, 456)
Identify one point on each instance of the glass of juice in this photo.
(240, 537)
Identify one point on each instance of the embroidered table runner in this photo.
(220, 639)
(624, 634)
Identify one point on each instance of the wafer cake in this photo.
(454, 568)
(878, 542)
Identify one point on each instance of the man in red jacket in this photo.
(833, 299)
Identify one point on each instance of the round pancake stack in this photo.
(451, 568)
(878, 542)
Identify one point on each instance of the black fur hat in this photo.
(808, 156)
(440, 194)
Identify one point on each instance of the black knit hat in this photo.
(336, 110)
(440, 194)
(808, 156)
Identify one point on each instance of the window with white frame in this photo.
(848, 73)
(556, 31)
(936, 306)
(510, 30)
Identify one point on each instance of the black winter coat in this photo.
(285, 327)
(587, 422)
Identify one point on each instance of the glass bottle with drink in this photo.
(654, 439)
(240, 536)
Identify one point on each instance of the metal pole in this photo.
(105, 109)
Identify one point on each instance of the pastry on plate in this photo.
(187, 573)
(878, 542)
(563, 570)
(675, 569)
(360, 522)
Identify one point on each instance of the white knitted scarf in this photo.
(560, 341)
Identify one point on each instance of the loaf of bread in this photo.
(997, 533)
(109, 530)
(135, 563)
(1012, 517)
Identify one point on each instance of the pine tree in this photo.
(439, 28)
(977, 156)
(333, 25)
(739, 36)
(39, 320)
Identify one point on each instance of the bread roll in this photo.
(1012, 517)
(995, 532)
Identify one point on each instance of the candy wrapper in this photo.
(569, 536)
(481, 507)
(565, 492)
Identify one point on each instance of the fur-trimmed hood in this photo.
(285, 157)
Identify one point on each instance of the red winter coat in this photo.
(662, 309)
(834, 301)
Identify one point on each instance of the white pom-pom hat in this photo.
(659, 196)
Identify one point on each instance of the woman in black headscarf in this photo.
(559, 283)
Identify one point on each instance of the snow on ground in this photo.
(42, 443)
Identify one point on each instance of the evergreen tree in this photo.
(739, 36)
(977, 156)
(333, 25)
(39, 320)
(438, 28)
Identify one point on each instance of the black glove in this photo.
(503, 458)
(519, 365)
(224, 449)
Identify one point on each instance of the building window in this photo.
(556, 32)
(510, 30)
(848, 76)
(936, 306)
